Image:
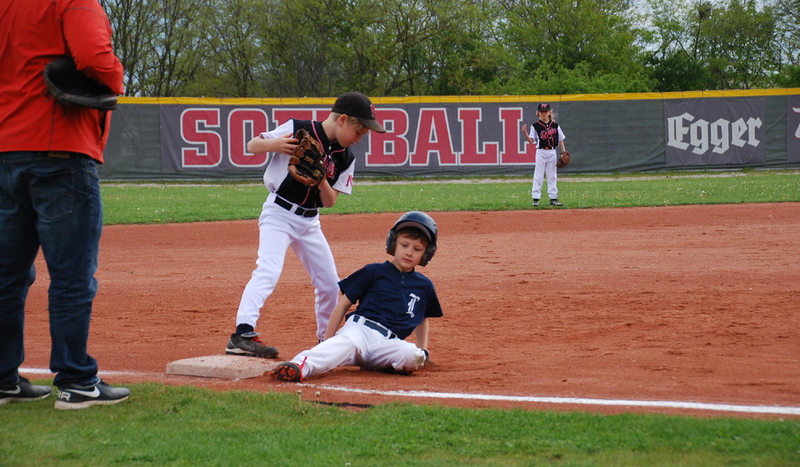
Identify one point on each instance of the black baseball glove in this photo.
(307, 162)
(69, 86)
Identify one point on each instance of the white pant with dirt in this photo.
(356, 344)
(545, 165)
(278, 230)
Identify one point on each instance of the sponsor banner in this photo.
(419, 137)
(793, 129)
(712, 132)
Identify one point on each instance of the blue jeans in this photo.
(53, 203)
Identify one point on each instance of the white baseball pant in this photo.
(355, 344)
(545, 165)
(278, 230)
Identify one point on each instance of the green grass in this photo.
(160, 203)
(191, 426)
(177, 202)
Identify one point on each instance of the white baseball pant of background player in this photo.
(545, 164)
(279, 229)
(358, 345)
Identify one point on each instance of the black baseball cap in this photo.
(543, 107)
(358, 105)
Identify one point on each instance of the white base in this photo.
(222, 366)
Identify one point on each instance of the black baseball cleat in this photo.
(554, 202)
(80, 397)
(288, 371)
(23, 391)
(248, 344)
(535, 201)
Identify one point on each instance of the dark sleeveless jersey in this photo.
(548, 134)
(337, 160)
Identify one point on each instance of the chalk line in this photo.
(46, 371)
(756, 409)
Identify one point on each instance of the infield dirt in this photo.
(690, 303)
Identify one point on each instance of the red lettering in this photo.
(511, 118)
(433, 136)
(239, 121)
(209, 154)
(390, 148)
(469, 134)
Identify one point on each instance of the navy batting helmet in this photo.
(418, 220)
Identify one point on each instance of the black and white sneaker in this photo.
(250, 345)
(23, 391)
(535, 201)
(80, 397)
(554, 202)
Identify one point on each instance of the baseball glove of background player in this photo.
(307, 162)
(70, 86)
(563, 159)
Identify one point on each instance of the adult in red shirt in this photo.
(50, 191)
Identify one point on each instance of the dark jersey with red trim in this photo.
(548, 134)
(337, 159)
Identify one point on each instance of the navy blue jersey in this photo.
(398, 300)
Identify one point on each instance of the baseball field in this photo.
(651, 320)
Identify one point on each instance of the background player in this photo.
(393, 300)
(546, 134)
(290, 215)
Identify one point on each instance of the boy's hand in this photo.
(427, 357)
(282, 144)
(285, 144)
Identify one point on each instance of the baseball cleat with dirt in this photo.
(288, 371)
(248, 344)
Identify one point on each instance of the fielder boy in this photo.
(290, 215)
(547, 135)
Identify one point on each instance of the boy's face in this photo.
(347, 134)
(408, 252)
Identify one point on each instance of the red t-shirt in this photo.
(35, 32)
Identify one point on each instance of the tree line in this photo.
(280, 48)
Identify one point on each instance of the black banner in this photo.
(186, 138)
